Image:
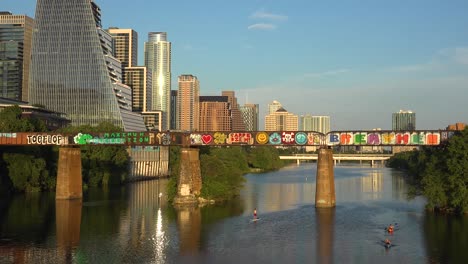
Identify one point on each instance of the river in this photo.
(134, 224)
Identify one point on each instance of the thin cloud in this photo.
(262, 14)
(261, 26)
(461, 55)
(324, 74)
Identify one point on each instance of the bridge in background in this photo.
(339, 157)
(69, 177)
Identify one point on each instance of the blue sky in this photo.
(355, 60)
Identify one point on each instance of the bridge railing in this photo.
(226, 138)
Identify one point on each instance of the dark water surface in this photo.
(133, 224)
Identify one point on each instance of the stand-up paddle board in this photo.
(255, 219)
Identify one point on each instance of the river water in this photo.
(133, 224)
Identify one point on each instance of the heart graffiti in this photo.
(207, 139)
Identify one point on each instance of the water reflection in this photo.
(67, 222)
(325, 229)
(189, 221)
(446, 238)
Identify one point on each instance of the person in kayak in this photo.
(387, 242)
(390, 228)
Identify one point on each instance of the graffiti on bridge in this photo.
(273, 138)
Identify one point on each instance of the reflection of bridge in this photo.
(339, 157)
(69, 178)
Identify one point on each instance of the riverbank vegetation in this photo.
(223, 168)
(440, 173)
(34, 168)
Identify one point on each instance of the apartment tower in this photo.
(158, 62)
(188, 103)
(236, 116)
(15, 55)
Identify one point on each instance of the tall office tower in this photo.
(281, 120)
(188, 103)
(125, 46)
(15, 55)
(250, 116)
(215, 113)
(404, 120)
(73, 70)
(315, 123)
(236, 116)
(174, 109)
(140, 81)
(158, 61)
(275, 105)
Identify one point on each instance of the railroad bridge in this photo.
(69, 177)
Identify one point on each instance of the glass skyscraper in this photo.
(404, 120)
(15, 55)
(158, 61)
(73, 70)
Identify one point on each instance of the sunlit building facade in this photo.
(275, 105)
(15, 55)
(236, 116)
(215, 113)
(188, 103)
(125, 45)
(140, 82)
(158, 62)
(281, 120)
(315, 123)
(78, 76)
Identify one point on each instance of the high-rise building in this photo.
(315, 123)
(158, 61)
(125, 46)
(140, 81)
(73, 70)
(404, 120)
(250, 116)
(215, 113)
(15, 55)
(174, 111)
(281, 120)
(275, 105)
(236, 116)
(188, 103)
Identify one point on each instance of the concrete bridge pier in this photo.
(69, 178)
(325, 182)
(189, 183)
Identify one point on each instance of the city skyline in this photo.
(357, 62)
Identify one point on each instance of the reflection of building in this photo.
(74, 71)
(373, 184)
(158, 61)
(188, 103)
(250, 116)
(215, 113)
(15, 55)
(281, 120)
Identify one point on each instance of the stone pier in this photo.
(325, 182)
(189, 183)
(69, 178)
